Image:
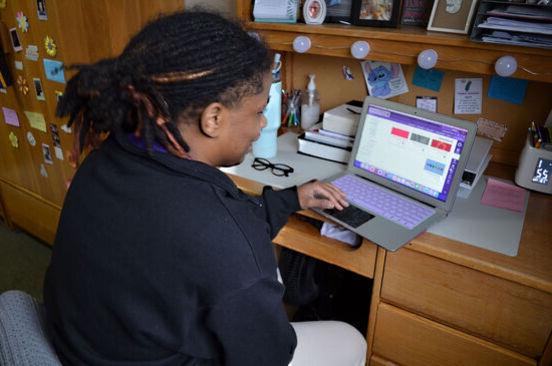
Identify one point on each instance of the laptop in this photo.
(403, 173)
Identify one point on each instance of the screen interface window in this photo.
(415, 152)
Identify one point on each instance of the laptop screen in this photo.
(415, 152)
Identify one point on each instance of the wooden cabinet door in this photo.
(83, 31)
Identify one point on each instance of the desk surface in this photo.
(533, 264)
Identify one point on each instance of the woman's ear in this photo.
(212, 120)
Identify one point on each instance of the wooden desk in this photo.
(441, 302)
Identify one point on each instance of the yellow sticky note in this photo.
(36, 120)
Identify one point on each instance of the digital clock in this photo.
(535, 169)
(542, 171)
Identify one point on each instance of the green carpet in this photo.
(23, 262)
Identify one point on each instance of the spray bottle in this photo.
(267, 144)
(310, 105)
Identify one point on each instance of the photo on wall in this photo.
(16, 43)
(39, 91)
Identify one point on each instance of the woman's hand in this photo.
(322, 195)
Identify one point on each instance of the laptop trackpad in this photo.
(352, 216)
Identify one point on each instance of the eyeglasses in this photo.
(279, 170)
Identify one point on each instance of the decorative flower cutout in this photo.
(22, 85)
(13, 139)
(50, 45)
(22, 21)
(3, 4)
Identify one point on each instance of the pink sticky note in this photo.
(10, 116)
(504, 195)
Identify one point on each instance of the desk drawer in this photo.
(305, 238)
(411, 340)
(376, 360)
(515, 316)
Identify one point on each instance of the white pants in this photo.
(328, 343)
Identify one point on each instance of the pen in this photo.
(540, 138)
(534, 135)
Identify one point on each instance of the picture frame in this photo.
(451, 16)
(416, 12)
(376, 13)
(340, 12)
(314, 11)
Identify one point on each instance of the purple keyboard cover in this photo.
(382, 201)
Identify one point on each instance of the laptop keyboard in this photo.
(383, 202)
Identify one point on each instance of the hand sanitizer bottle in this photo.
(267, 144)
(310, 105)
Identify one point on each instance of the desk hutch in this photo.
(436, 301)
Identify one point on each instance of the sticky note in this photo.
(54, 70)
(468, 96)
(36, 120)
(10, 117)
(507, 89)
(504, 195)
(429, 79)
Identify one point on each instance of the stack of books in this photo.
(333, 138)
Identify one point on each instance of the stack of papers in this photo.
(518, 25)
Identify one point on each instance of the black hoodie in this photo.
(164, 261)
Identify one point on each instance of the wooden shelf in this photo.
(402, 45)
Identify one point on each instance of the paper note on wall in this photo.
(429, 79)
(508, 89)
(468, 96)
(10, 117)
(36, 120)
(54, 70)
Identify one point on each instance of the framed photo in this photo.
(338, 11)
(453, 16)
(314, 11)
(376, 13)
(416, 12)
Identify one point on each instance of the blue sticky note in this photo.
(54, 70)
(429, 79)
(508, 89)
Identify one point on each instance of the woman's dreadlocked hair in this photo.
(175, 66)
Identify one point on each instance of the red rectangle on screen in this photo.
(398, 132)
(441, 145)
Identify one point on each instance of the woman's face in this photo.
(245, 122)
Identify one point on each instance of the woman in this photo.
(159, 259)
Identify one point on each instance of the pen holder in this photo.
(534, 168)
(267, 144)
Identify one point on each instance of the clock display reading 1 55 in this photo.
(542, 171)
